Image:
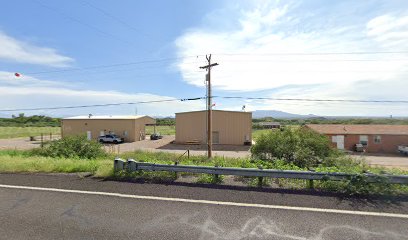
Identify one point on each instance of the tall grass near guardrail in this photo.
(30, 161)
(16, 161)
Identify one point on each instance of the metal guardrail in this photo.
(132, 165)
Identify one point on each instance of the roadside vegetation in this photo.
(292, 149)
(71, 147)
(21, 120)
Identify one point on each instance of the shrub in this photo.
(72, 147)
(359, 185)
(301, 146)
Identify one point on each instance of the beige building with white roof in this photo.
(131, 128)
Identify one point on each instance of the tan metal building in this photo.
(131, 128)
(228, 127)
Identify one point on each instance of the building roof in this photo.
(214, 110)
(269, 123)
(359, 129)
(107, 117)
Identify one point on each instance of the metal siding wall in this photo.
(191, 126)
(232, 126)
(77, 126)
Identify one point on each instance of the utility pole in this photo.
(209, 104)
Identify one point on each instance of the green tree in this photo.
(301, 146)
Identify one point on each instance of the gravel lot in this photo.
(388, 161)
(23, 143)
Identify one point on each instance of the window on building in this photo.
(377, 139)
(364, 140)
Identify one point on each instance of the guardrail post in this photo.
(216, 177)
(175, 173)
(310, 184)
(188, 153)
(131, 165)
(260, 179)
(118, 164)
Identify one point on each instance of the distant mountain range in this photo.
(285, 115)
(279, 114)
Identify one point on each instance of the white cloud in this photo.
(389, 30)
(269, 29)
(35, 93)
(364, 90)
(15, 50)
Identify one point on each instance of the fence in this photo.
(132, 165)
(44, 137)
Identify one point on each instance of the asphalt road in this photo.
(68, 207)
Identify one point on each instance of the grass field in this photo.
(13, 132)
(163, 130)
(256, 133)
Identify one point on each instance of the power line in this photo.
(171, 59)
(313, 100)
(317, 60)
(312, 53)
(124, 23)
(102, 105)
(82, 23)
(110, 65)
(200, 98)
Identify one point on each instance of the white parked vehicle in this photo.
(110, 138)
(403, 149)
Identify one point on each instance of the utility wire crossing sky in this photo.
(102, 55)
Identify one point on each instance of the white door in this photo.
(89, 135)
(340, 141)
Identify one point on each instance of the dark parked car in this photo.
(156, 136)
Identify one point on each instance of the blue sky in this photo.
(264, 48)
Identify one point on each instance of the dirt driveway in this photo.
(23, 143)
